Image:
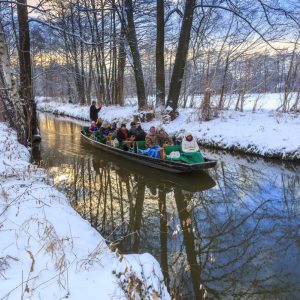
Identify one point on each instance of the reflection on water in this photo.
(229, 234)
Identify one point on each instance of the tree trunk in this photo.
(104, 68)
(89, 81)
(137, 65)
(78, 72)
(82, 73)
(160, 61)
(121, 69)
(181, 55)
(13, 106)
(221, 101)
(26, 92)
(114, 58)
(99, 79)
(7, 113)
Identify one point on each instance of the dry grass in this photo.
(94, 257)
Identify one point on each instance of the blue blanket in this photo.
(153, 152)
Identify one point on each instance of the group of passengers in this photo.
(156, 138)
(121, 133)
(155, 141)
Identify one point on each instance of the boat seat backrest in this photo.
(85, 130)
(141, 145)
(169, 149)
(101, 139)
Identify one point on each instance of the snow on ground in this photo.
(265, 101)
(109, 113)
(48, 251)
(266, 132)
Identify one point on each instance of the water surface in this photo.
(231, 233)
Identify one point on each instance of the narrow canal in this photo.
(231, 233)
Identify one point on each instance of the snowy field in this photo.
(49, 252)
(265, 132)
(265, 101)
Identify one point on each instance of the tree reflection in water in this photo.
(233, 234)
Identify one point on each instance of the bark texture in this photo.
(137, 65)
(181, 55)
(160, 61)
(26, 91)
(13, 107)
(121, 70)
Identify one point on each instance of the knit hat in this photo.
(187, 134)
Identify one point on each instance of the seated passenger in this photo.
(148, 142)
(114, 126)
(116, 129)
(132, 129)
(151, 137)
(140, 134)
(105, 129)
(123, 133)
(163, 138)
(152, 149)
(99, 122)
(93, 128)
(189, 144)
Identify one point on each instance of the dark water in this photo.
(233, 231)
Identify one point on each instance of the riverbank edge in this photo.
(251, 149)
(17, 171)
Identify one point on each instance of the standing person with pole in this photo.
(94, 111)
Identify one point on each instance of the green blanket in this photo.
(189, 158)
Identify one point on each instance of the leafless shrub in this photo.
(94, 256)
(44, 232)
(207, 111)
(135, 287)
(4, 265)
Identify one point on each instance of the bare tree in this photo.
(160, 50)
(26, 91)
(121, 69)
(85, 42)
(137, 65)
(7, 108)
(181, 55)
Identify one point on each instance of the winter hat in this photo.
(187, 134)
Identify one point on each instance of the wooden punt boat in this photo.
(161, 164)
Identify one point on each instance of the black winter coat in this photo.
(121, 136)
(94, 112)
(140, 134)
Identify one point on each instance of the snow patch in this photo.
(49, 252)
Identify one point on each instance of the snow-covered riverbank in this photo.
(48, 251)
(266, 132)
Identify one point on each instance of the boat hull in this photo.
(166, 165)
